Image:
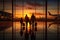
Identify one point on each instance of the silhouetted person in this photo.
(26, 33)
(26, 20)
(33, 19)
(21, 20)
(21, 31)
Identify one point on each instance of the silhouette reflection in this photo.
(33, 36)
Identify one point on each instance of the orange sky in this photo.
(38, 13)
(20, 11)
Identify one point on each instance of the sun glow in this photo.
(28, 27)
(26, 12)
(28, 24)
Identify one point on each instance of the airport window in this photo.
(29, 19)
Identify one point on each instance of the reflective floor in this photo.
(40, 33)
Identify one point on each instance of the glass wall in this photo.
(47, 13)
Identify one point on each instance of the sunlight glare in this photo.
(28, 26)
(26, 12)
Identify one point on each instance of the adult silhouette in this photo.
(26, 20)
(26, 33)
(33, 20)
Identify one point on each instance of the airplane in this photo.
(56, 19)
(57, 16)
(5, 15)
(5, 24)
(54, 14)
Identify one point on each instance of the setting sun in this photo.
(26, 12)
(27, 15)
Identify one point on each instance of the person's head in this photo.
(26, 14)
(33, 14)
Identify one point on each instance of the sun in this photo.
(27, 13)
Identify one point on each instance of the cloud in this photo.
(34, 4)
(39, 14)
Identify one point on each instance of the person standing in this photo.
(26, 33)
(33, 19)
